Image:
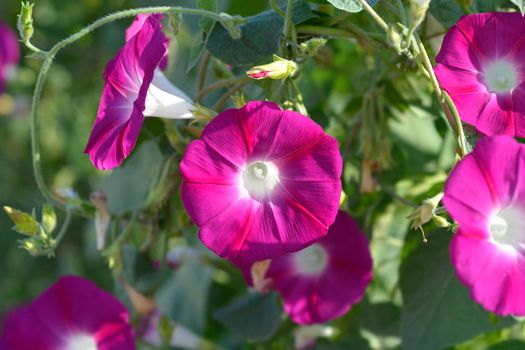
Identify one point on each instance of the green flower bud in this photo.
(279, 69)
(440, 221)
(25, 21)
(311, 47)
(25, 223)
(418, 11)
(425, 212)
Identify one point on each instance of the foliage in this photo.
(363, 88)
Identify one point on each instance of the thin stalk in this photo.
(288, 20)
(219, 84)
(374, 14)
(63, 229)
(203, 68)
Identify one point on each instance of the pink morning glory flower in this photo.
(9, 54)
(136, 26)
(321, 282)
(261, 182)
(485, 194)
(73, 314)
(480, 65)
(134, 88)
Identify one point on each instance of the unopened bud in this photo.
(25, 21)
(394, 38)
(425, 212)
(25, 223)
(279, 69)
(258, 274)
(102, 217)
(440, 221)
(142, 304)
(419, 11)
(312, 46)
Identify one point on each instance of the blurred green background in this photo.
(407, 141)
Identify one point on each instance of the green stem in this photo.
(64, 228)
(374, 14)
(453, 120)
(287, 29)
(276, 8)
(42, 75)
(461, 133)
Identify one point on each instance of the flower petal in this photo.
(497, 117)
(494, 274)
(128, 77)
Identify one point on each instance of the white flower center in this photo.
(312, 260)
(81, 342)
(260, 179)
(501, 76)
(508, 227)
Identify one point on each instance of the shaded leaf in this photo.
(184, 298)
(437, 310)
(255, 316)
(509, 345)
(350, 5)
(260, 37)
(380, 318)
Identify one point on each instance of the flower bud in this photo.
(418, 11)
(25, 21)
(425, 212)
(142, 304)
(394, 39)
(312, 46)
(279, 69)
(258, 274)
(25, 223)
(440, 221)
(102, 217)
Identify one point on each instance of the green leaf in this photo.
(24, 223)
(184, 298)
(379, 318)
(437, 310)
(260, 37)
(509, 345)
(128, 185)
(520, 4)
(49, 218)
(255, 316)
(350, 5)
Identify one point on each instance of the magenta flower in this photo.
(9, 53)
(137, 25)
(321, 282)
(485, 194)
(480, 65)
(261, 182)
(134, 88)
(73, 314)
